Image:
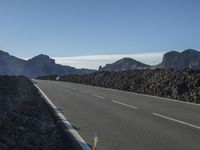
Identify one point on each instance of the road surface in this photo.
(124, 120)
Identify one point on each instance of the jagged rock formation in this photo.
(124, 64)
(187, 59)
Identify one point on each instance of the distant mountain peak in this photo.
(41, 56)
(126, 60)
(3, 53)
(42, 59)
(191, 51)
(188, 58)
(124, 64)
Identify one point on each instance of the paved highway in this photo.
(124, 120)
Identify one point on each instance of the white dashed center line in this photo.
(98, 96)
(124, 104)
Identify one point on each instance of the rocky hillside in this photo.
(43, 65)
(181, 85)
(124, 64)
(37, 66)
(10, 65)
(181, 60)
(25, 121)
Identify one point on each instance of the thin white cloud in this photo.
(94, 61)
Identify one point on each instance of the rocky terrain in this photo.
(37, 66)
(181, 85)
(25, 121)
(124, 64)
(181, 60)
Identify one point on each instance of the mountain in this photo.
(181, 60)
(37, 66)
(10, 65)
(124, 64)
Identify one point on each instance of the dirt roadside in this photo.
(25, 120)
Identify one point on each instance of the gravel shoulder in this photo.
(25, 120)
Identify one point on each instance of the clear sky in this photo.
(66, 28)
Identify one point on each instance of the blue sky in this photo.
(67, 28)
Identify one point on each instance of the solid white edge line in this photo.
(175, 120)
(124, 104)
(98, 96)
(73, 132)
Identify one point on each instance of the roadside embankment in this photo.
(25, 120)
(180, 85)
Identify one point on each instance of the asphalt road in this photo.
(124, 120)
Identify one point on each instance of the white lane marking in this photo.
(98, 96)
(134, 93)
(124, 104)
(175, 120)
(67, 124)
(152, 96)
